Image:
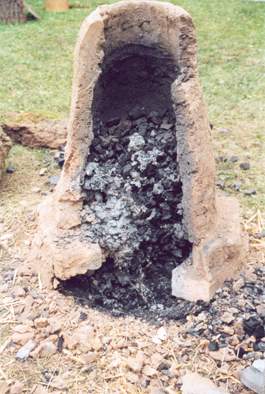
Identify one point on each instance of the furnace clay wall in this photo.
(219, 248)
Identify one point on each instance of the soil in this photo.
(100, 347)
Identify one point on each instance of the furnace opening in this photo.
(131, 187)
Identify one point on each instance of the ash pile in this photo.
(133, 208)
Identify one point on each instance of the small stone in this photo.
(17, 388)
(43, 171)
(3, 387)
(227, 330)
(235, 340)
(261, 310)
(220, 183)
(69, 342)
(10, 170)
(237, 186)
(224, 131)
(36, 190)
(223, 354)
(37, 389)
(53, 180)
(22, 339)
(162, 334)
(193, 383)
(238, 284)
(132, 378)
(244, 166)
(261, 235)
(148, 370)
(213, 346)
(156, 360)
(58, 383)
(83, 316)
(48, 349)
(22, 328)
(88, 358)
(227, 317)
(18, 291)
(221, 159)
(4, 288)
(96, 344)
(250, 192)
(54, 327)
(44, 193)
(233, 159)
(24, 352)
(136, 363)
(254, 376)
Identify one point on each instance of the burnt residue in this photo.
(133, 208)
(131, 187)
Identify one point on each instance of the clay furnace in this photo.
(138, 184)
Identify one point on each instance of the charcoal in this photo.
(133, 210)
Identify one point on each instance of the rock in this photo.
(83, 316)
(24, 352)
(5, 146)
(194, 383)
(244, 166)
(45, 134)
(223, 354)
(18, 291)
(213, 346)
(48, 349)
(237, 186)
(233, 159)
(156, 360)
(148, 370)
(22, 328)
(250, 192)
(58, 383)
(162, 334)
(4, 288)
(69, 342)
(17, 388)
(43, 171)
(132, 378)
(37, 389)
(254, 376)
(10, 170)
(221, 159)
(238, 284)
(88, 358)
(227, 317)
(3, 387)
(53, 180)
(261, 310)
(55, 326)
(96, 344)
(136, 363)
(22, 339)
(35, 189)
(220, 183)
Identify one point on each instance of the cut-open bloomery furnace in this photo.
(139, 179)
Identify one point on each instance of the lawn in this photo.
(36, 75)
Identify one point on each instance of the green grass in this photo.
(37, 60)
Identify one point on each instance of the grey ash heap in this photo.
(133, 194)
(133, 206)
